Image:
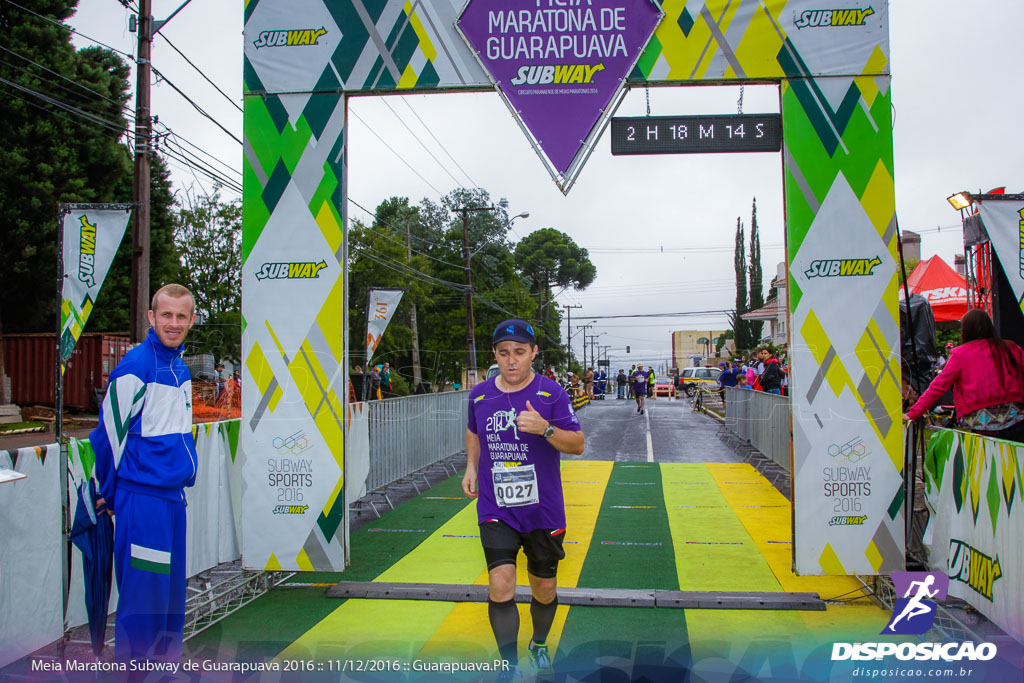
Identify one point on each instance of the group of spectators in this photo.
(764, 372)
(379, 378)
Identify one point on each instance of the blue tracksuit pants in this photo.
(149, 557)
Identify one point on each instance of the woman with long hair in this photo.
(985, 372)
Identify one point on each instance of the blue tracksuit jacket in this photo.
(145, 457)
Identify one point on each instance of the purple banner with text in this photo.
(559, 64)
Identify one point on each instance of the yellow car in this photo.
(690, 378)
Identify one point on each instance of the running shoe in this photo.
(541, 659)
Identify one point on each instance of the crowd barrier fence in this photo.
(763, 420)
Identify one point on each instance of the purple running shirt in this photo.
(639, 380)
(520, 479)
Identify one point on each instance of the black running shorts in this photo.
(542, 547)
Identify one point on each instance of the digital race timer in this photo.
(696, 134)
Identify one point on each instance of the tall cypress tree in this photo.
(740, 327)
(756, 276)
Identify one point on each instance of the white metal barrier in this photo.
(413, 432)
(763, 420)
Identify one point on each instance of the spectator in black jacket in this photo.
(771, 377)
(621, 381)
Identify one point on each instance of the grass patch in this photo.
(31, 424)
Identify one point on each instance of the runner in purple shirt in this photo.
(519, 423)
(639, 381)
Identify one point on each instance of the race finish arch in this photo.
(562, 66)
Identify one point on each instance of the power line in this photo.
(201, 73)
(95, 119)
(200, 150)
(417, 139)
(400, 157)
(443, 148)
(58, 114)
(120, 105)
(195, 105)
(71, 29)
(196, 165)
(397, 241)
(42, 80)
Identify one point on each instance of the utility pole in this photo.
(470, 334)
(139, 300)
(139, 297)
(568, 336)
(584, 328)
(417, 376)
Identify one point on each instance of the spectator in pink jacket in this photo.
(985, 372)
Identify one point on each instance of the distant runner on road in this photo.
(638, 380)
(519, 423)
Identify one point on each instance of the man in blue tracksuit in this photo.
(145, 457)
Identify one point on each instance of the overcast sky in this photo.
(659, 228)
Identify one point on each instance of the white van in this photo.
(492, 371)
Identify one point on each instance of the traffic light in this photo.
(627, 349)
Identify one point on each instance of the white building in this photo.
(775, 311)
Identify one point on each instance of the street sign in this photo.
(603, 363)
(696, 134)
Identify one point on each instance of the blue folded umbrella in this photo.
(93, 534)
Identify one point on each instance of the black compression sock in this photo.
(504, 618)
(543, 616)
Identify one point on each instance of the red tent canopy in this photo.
(943, 287)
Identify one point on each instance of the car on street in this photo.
(691, 378)
(664, 386)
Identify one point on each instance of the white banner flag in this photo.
(383, 303)
(1004, 222)
(91, 238)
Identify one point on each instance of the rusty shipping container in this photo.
(29, 362)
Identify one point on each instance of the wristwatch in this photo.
(549, 432)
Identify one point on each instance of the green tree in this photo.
(208, 236)
(499, 290)
(51, 155)
(756, 276)
(550, 258)
(740, 327)
(389, 253)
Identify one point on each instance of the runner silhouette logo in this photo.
(914, 613)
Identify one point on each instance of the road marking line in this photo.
(650, 443)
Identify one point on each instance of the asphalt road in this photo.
(668, 431)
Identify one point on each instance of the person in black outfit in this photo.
(771, 376)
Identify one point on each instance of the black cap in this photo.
(514, 330)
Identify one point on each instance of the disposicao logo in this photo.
(87, 252)
(833, 18)
(289, 37)
(914, 614)
(290, 270)
(847, 267)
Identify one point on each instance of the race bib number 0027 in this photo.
(515, 486)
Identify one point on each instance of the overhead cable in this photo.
(71, 29)
(400, 157)
(472, 182)
(417, 139)
(196, 106)
(200, 71)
